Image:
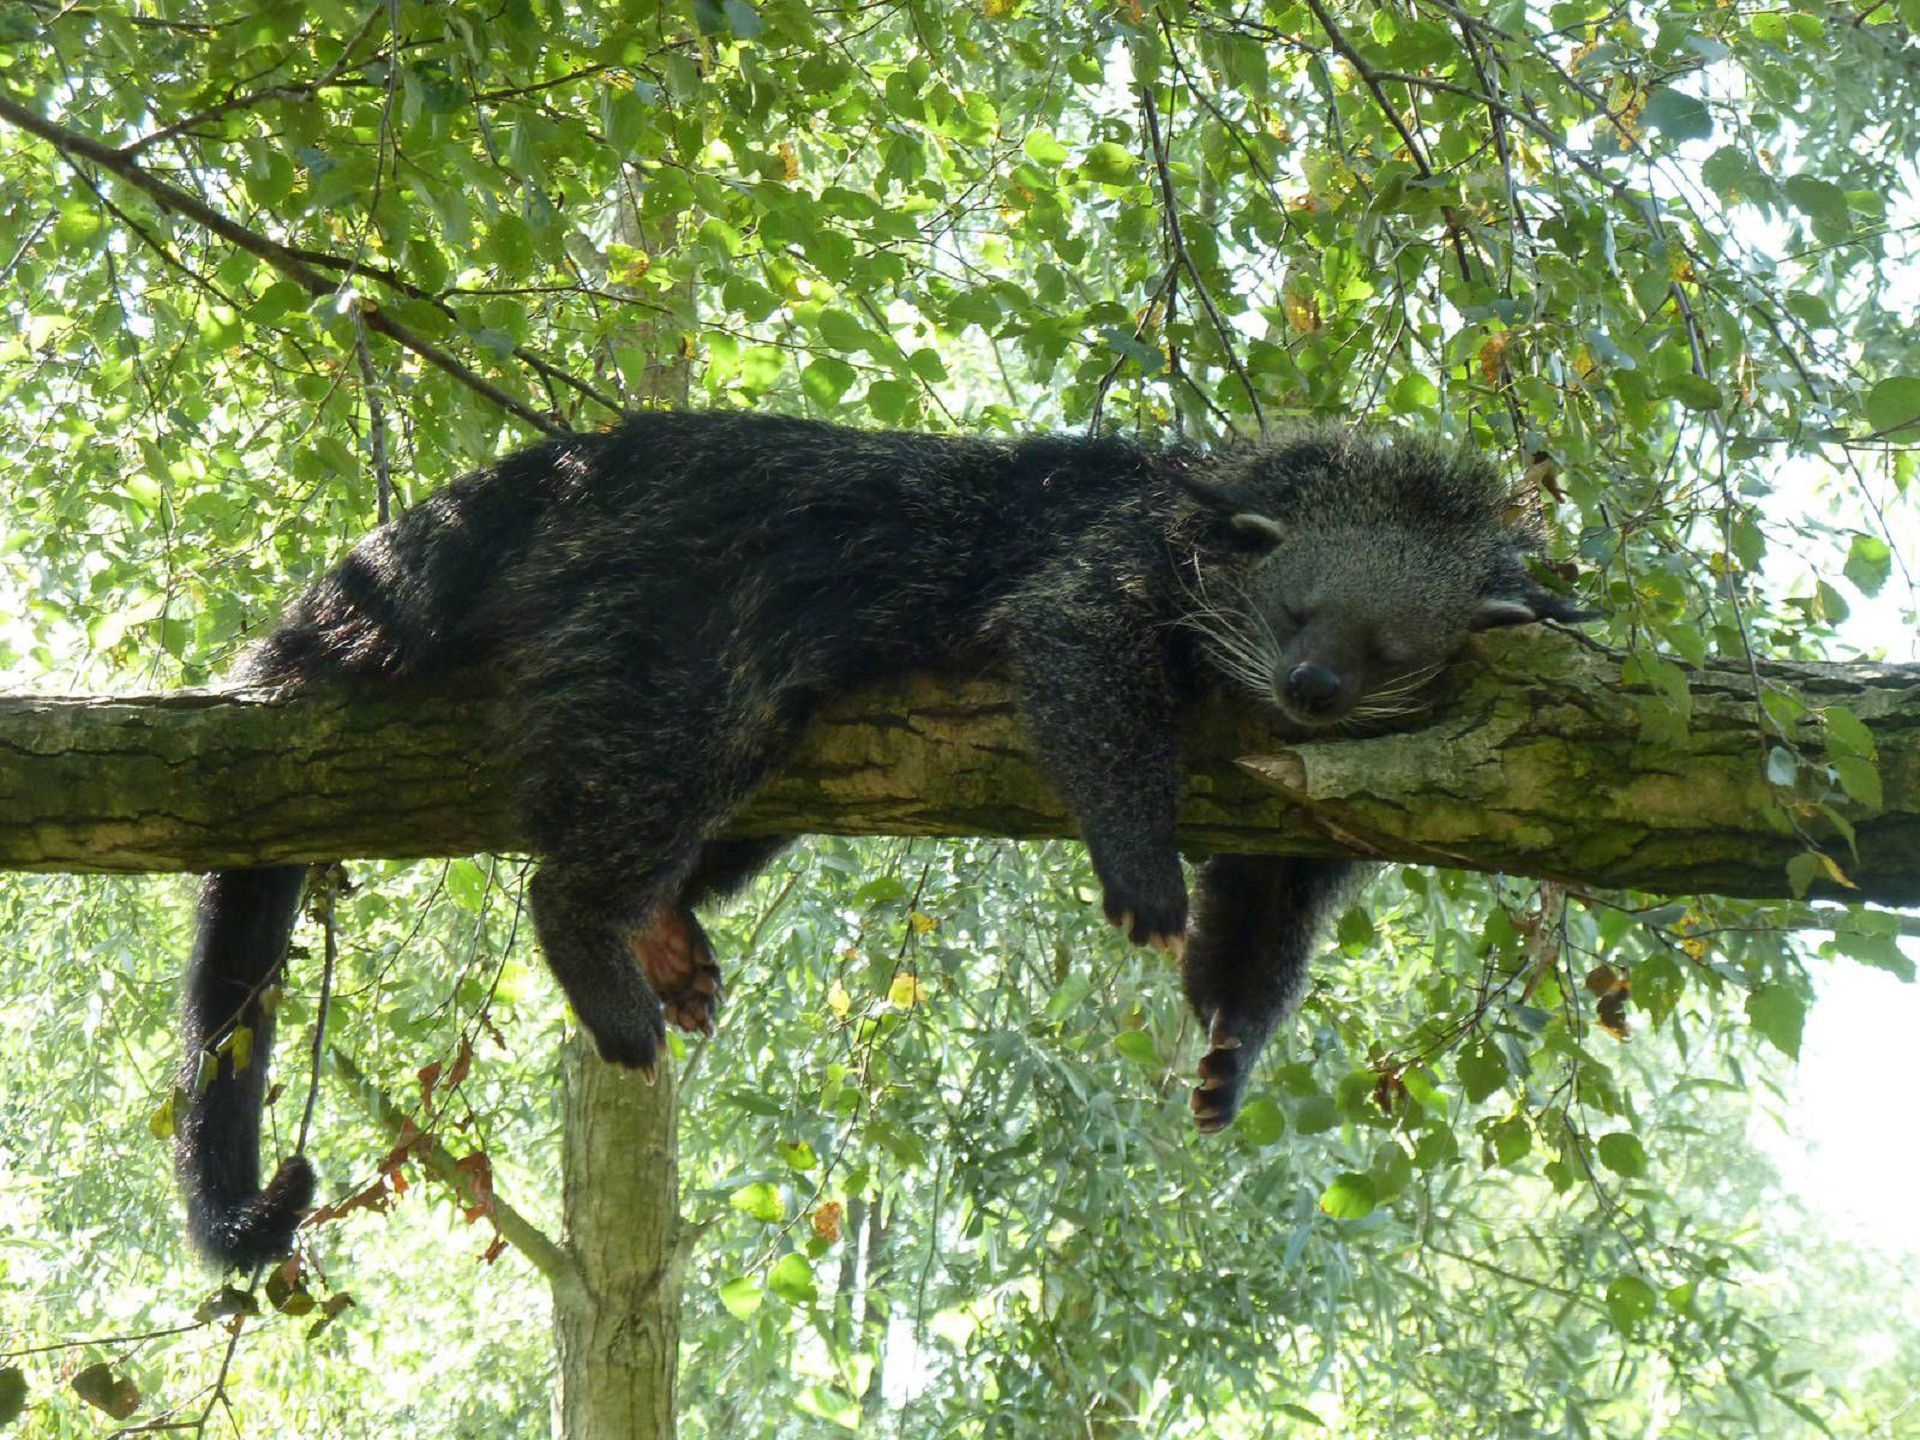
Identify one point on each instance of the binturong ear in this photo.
(1263, 528)
(1526, 604)
(1210, 493)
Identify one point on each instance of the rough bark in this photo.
(618, 1333)
(1539, 761)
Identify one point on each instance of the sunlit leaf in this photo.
(1351, 1197)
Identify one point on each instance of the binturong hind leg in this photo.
(674, 952)
(1256, 921)
(623, 785)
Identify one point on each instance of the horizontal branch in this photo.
(1540, 762)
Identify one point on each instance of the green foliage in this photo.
(939, 1155)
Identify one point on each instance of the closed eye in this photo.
(1390, 657)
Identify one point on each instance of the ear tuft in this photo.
(1260, 527)
(1209, 493)
(1531, 605)
(1496, 611)
(1562, 610)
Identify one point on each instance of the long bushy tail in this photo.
(245, 921)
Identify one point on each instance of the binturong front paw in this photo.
(1151, 908)
(1233, 1043)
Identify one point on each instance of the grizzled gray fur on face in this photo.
(668, 602)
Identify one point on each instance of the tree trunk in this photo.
(1540, 761)
(618, 1333)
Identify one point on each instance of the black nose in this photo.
(1313, 689)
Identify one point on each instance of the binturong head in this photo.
(1341, 571)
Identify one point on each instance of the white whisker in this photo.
(1237, 638)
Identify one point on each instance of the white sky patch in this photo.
(1847, 1149)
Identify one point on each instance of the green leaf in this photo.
(1043, 149)
(1821, 201)
(1621, 1152)
(1630, 1300)
(1860, 779)
(826, 379)
(1315, 1115)
(1109, 163)
(1300, 1413)
(761, 1200)
(1893, 405)
(1137, 1046)
(277, 300)
(226, 1302)
(1869, 562)
(1261, 1122)
(1802, 870)
(1677, 115)
(721, 236)
(1779, 1012)
(1695, 392)
(1879, 948)
(1413, 392)
(79, 225)
(927, 364)
(1351, 1197)
(1482, 1070)
(743, 19)
(891, 401)
(792, 1280)
(287, 1297)
(741, 1297)
(1509, 1140)
(1832, 605)
(842, 331)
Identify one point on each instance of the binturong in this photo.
(669, 601)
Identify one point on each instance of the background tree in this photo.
(272, 270)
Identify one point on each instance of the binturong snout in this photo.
(1312, 690)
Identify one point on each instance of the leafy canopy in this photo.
(271, 269)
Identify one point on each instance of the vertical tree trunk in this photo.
(618, 1334)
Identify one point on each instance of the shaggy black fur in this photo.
(670, 601)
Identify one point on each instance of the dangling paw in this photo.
(1223, 1075)
(677, 960)
(633, 1044)
(1150, 911)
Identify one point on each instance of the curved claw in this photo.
(1218, 1036)
(1207, 1120)
(1223, 1072)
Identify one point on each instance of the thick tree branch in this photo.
(1540, 763)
